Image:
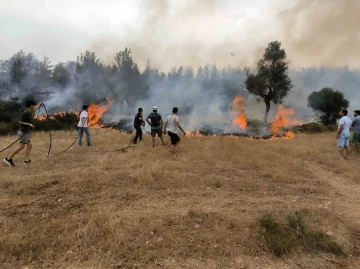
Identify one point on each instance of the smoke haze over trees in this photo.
(205, 92)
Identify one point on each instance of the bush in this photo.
(281, 239)
(314, 127)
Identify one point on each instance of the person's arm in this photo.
(38, 105)
(25, 123)
(179, 126)
(147, 120)
(165, 125)
(341, 127)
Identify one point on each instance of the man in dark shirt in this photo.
(24, 133)
(138, 122)
(156, 125)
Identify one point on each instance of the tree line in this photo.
(24, 74)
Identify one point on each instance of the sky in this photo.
(183, 32)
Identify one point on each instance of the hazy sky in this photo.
(182, 32)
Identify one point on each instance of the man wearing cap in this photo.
(156, 125)
(356, 126)
(138, 122)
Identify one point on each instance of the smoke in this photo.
(190, 33)
(316, 32)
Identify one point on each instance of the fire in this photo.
(188, 133)
(96, 111)
(281, 119)
(237, 107)
(197, 133)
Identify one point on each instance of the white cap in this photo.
(154, 107)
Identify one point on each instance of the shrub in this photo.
(281, 239)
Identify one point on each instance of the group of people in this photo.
(344, 133)
(170, 126)
(159, 127)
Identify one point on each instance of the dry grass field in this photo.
(197, 209)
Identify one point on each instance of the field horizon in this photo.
(199, 208)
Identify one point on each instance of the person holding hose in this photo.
(24, 133)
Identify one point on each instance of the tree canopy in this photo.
(327, 103)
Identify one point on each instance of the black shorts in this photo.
(174, 138)
(156, 131)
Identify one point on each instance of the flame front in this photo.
(96, 111)
(237, 106)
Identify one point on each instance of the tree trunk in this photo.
(267, 103)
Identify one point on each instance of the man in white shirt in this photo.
(343, 134)
(83, 126)
(173, 123)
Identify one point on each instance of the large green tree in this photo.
(327, 103)
(271, 83)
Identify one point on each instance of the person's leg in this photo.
(16, 151)
(177, 142)
(153, 134)
(81, 131)
(86, 131)
(140, 133)
(161, 137)
(28, 150)
(347, 143)
(136, 134)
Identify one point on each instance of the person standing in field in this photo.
(83, 126)
(138, 122)
(24, 133)
(356, 136)
(343, 134)
(172, 121)
(156, 125)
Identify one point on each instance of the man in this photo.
(156, 125)
(172, 121)
(138, 122)
(24, 133)
(83, 126)
(356, 126)
(343, 134)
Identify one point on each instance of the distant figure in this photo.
(172, 121)
(343, 134)
(83, 126)
(156, 125)
(138, 122)
(356, 135)
(24, 133)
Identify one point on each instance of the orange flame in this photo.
(197, 133)
(96, 111)
(237, 106)
(282, 120)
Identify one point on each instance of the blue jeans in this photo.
(81, 132)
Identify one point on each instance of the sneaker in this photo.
(27, 162)
(9, 162)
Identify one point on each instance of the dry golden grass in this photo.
(197, 209)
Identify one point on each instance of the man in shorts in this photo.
(24, 133)
(138, 122)
(83, 126)
(156, 125)
(356, 136)
(343, 134)
(172, 121)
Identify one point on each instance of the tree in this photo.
(61, 76)
(271, 83)
(18, 72)
(327, 103)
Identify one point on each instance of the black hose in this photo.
(71, 143)
(50, 135)
(120, 149)
(12, 143)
